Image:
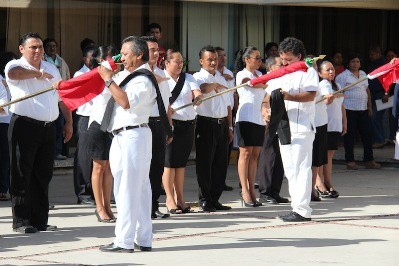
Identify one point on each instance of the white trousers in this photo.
(130, 158)
(297, 162)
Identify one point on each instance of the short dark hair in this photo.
(154, 26)
(86, 42)
(375, 48)
(6, 57)
(48, 40)
(88, 49)
(350, 57)
(293, 45)
(208, 48)
(218, 48)
(239, 63)
(29, 35)
(269, 45)
(149, 39)
(139, 46)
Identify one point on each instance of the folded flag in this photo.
(81, 89)
(297, 66)
(386, 74)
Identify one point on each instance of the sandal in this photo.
(185, 210)
(323, 194)
(174, 211)
(333, 193)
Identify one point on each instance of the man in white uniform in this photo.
(213, 133)
(299, 90)
(32, 134)
(130, 153)
(158, 135)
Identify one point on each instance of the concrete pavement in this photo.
(361, 227)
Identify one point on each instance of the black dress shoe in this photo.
(280, 199)
(48, 228)
(158, 214)
(142, 248)
(26, 229)
(114, 248)
(51, 206)
(207, 207)
(227, 188)
(86, 201)
(294, 217)
(218, 206)
(267, 199)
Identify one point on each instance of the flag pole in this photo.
(26, 97)
(346, 88)
(210, 97)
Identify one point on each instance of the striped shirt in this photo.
(355, 98)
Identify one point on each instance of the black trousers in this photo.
(83, 164)
(270, 171)
(32, 148)
(211, 143)
(358, 120)
(157, 161)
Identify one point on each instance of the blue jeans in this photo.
(4, 159)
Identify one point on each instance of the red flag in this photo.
(81, 89)
(386, 74)
(297, 66)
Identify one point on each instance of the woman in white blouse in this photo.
(357, 103)
(336, 126)
(178, 151)
(250, 126)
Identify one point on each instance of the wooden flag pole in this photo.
(346, 88)
(210, 97)
(26, 97)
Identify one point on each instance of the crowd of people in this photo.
(135, 138)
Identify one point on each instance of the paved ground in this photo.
(359, 228)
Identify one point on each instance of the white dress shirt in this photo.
(356, 97)
(142, 96)
(250, 99)
(185, 97)
(85, 109)
(300, 114)
(334, 110)
(230, 83)
(217, 106)
(321, 117)
(43, 107)
(5, 97)
(165, 92)
(100, 101)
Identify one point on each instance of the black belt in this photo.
(34, 121)
(216, 120)
(154, 119)
(183, 123)
(119, 130)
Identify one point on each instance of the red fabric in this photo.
(81, 89)
(386, 74)
(297, 66)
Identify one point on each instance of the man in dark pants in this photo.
(158, 133)
(213, 133)
(270, 169)
(32, 134)
(83, 164)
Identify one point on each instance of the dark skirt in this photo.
(178, 151)
(249, 134)
(320, 147)
(100, 142)
(333, 140)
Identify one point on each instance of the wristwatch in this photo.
(108, 83)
